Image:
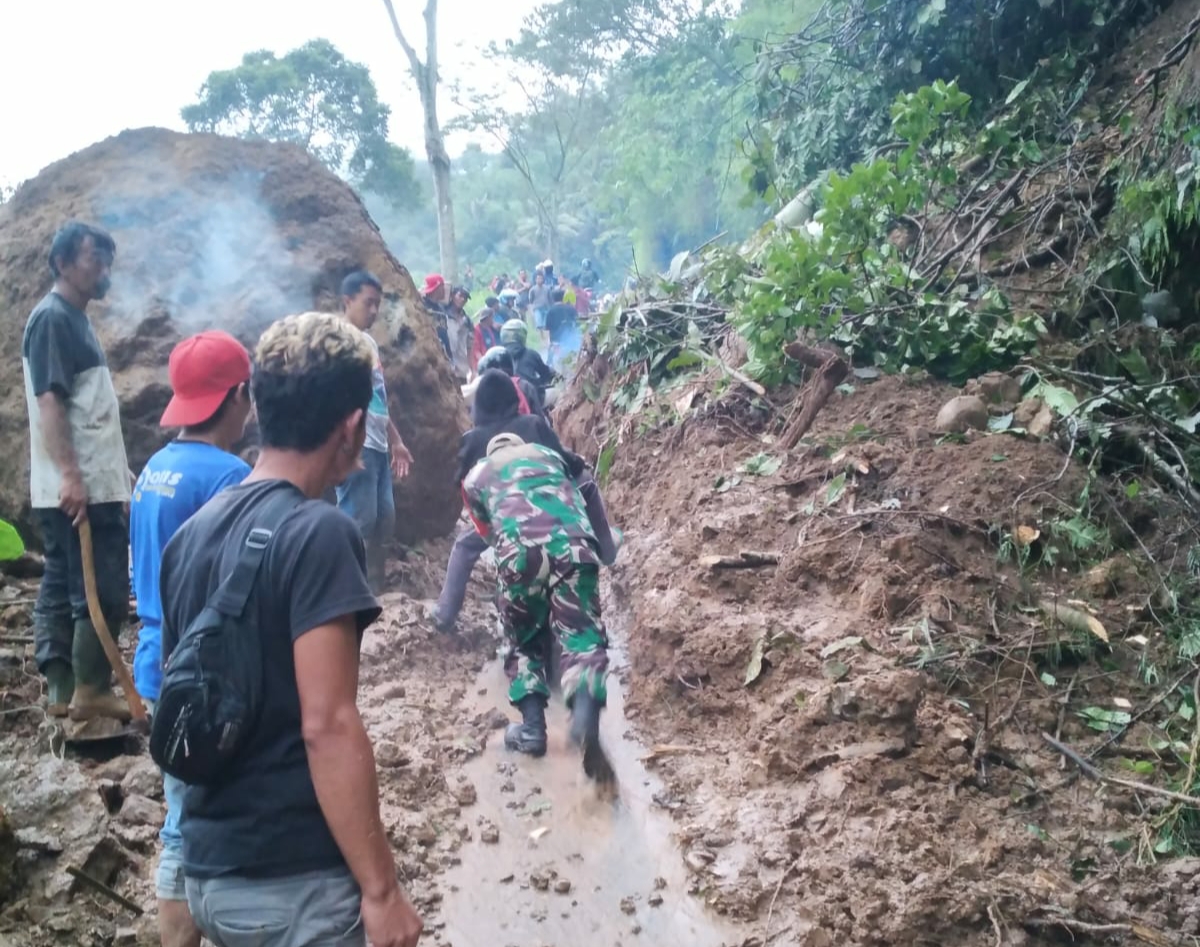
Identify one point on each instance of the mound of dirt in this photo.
(851, 721)
(217, 232)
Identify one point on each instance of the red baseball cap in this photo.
(202, 369)
(433, 282)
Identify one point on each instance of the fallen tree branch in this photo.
(1091, 772)
(743, 560)
(105, 890)
(831, 373)
(1143, 933)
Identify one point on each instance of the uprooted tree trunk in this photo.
(831, 370)
(425, 74)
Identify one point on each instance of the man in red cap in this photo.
(210, 377)
(436, 295)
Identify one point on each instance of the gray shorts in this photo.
(318, 909)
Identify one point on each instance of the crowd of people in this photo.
(254, 586)
(554, 306)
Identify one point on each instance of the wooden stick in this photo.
(105, 890)
(743, 560)
(136, 708)
(1092, 772)
(831, 373)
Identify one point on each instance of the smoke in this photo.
(203, 253)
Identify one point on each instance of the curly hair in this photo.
(311, 372)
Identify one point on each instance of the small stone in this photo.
(627, 906)
(395, 692)
(389, 756)
(125, 936)
(465, 794)
(138, 810)
(540, 880)
(636, 929)
(425, 835)
(562, 886)
(507, 879)
(143, 779)
(489, 834)
(655, 900)
(961, 414)
(699, 858)
(660, 883)
(508, 786)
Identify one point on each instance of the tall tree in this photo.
(545, 141)
(425, 75)
(314, 97)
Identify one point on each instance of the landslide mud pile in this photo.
(845, 677)
(216, 232)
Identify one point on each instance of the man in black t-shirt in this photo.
(288, 849)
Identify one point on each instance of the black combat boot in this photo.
(529, 736)
(585, 734)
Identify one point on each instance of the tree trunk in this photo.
(425, 74)
(439, 162)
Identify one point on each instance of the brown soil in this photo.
(854, 731)
(218, 233)
(99, 808)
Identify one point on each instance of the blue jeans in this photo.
(366, 497)
(168, 881)
(61, 599)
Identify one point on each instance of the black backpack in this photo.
(212, 684)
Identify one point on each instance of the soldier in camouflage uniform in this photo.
(524, 503)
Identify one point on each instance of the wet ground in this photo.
(551, 861)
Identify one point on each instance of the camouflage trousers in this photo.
(543, 598)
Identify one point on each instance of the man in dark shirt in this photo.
(288, 849)
(77, 472)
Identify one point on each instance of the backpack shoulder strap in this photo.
(233, 594)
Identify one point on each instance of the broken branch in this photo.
(832, 372)
(743, 560)
(1091, 772)
(105, 890)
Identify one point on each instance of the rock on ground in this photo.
(215, 232)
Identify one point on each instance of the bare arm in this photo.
(401, 456)
(343, 773)
(56, 433)
(339, 753)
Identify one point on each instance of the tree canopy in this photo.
(314, 97)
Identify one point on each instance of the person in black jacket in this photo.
(527, 363)
(496, 411)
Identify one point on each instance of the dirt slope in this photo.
(852, 748)
(216, 232)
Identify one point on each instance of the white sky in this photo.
(76, 71)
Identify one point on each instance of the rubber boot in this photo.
(94, 695)
(529, 736)
(585, 734)
(60, 686)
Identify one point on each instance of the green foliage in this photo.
(11, 545)
(823, 91)
(314, 97)
(1157, 213)
(843, 279)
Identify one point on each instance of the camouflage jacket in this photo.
(523, 496)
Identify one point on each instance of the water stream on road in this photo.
(570, 869)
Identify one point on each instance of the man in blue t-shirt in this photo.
(210, 376)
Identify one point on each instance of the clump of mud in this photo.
(217, 232)
(851, 717)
